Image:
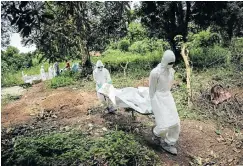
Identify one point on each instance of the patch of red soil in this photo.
(67, 103)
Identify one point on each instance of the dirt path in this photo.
(198, 143)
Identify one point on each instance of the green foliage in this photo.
(113, 59)
(60, 81)
(65, 79)
(204, 39)
(136, 32)
(123, 44)
(13, 60)
(236, 48)
(11, 79)
(206, 51)
(209, 57)
(113, 45)
(116, 148)
(149, 45)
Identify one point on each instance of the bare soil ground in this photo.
(199, 144)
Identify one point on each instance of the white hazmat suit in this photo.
(50, 72)
(43, 74)
(101, 76)
(167, 121)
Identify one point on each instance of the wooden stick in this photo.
(184, 54)
(124, 68)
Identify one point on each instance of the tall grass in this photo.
(13, 78)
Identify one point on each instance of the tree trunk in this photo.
(86, 62)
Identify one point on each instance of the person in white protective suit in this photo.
(101, 76)
(43, 74)
(50, 72)
(167, 121)
(56, 69)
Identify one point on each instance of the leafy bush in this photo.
(206, 50)
(136, 32)
(11, 79)
(116, 148)
(149, 45)
(209, 57)
(60, 81)
(74, 75)
(113, 59)
(113, 45)
(140, 47)
(124, 44)
(204, 39)
(13, 60)
(236, 48)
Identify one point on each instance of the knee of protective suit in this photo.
(159, 132)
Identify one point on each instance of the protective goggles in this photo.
(100, 67)
(171, 63)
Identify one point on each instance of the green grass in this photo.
(15, 77)
(60, 81)
(11, 79)
(114, 148)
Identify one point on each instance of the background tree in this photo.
(169, 19)
(65, 28)
(166, 19)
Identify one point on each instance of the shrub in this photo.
(60, 81)
(113, 59)
(209, 56)
(136, 31)
(140, 47)
(123, 44)
(116, 148)
(13, 60)
(149, 45)
(204, 39)
(236, 48)
(11, 79)
(113, 45)
(206, 50)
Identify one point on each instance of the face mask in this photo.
(169, 66)
(100, 68)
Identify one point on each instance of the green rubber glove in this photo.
(99, 86)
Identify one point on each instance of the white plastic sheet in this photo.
(135, 98)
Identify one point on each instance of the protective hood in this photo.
(99, 64)
(168, 57)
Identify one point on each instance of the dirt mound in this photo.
(68, 104)
(63, 100)
(14, 113)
